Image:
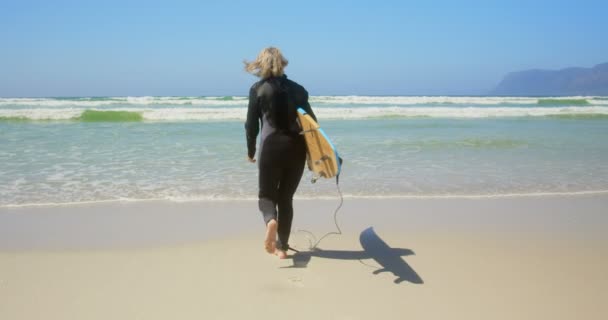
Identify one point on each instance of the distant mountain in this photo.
(565, 82)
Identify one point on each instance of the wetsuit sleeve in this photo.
(252, 124)
(307, 107)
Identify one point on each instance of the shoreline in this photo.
(321, 198)
(152, 223)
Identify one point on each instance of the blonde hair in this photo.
(269, 63)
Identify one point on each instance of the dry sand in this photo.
(492, 258)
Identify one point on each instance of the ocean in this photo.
(95, 149)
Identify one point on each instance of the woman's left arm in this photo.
(252, 124)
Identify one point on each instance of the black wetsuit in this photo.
(282, 155)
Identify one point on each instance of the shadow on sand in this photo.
(373, 248)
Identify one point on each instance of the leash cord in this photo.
(339, 232)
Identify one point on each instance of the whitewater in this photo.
(233, 108)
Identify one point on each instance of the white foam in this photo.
(601, 102)
(229, 114)
(121, 101)
(42, 113)
(194, 114)
(309, 198)
(417, 100)
(314, 100)
(453, 112)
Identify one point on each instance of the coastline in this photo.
(547, 194)
(525, 258)
(168, 222)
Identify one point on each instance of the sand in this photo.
(488, 258)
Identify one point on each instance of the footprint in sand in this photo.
(296, 281)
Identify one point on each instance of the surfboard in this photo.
(323, 159)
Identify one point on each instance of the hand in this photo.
(252, 160)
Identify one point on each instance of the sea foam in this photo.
(326, 113)
(91, 102)
(233, 108)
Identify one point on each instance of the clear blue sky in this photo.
(120, 48)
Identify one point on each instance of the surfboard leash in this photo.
(339, 232)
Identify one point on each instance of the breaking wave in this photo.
(93, 102)
(326, 113)
(233, 108)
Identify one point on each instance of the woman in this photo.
(274, 101)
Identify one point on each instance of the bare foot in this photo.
(281, 254)
(271, 236)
